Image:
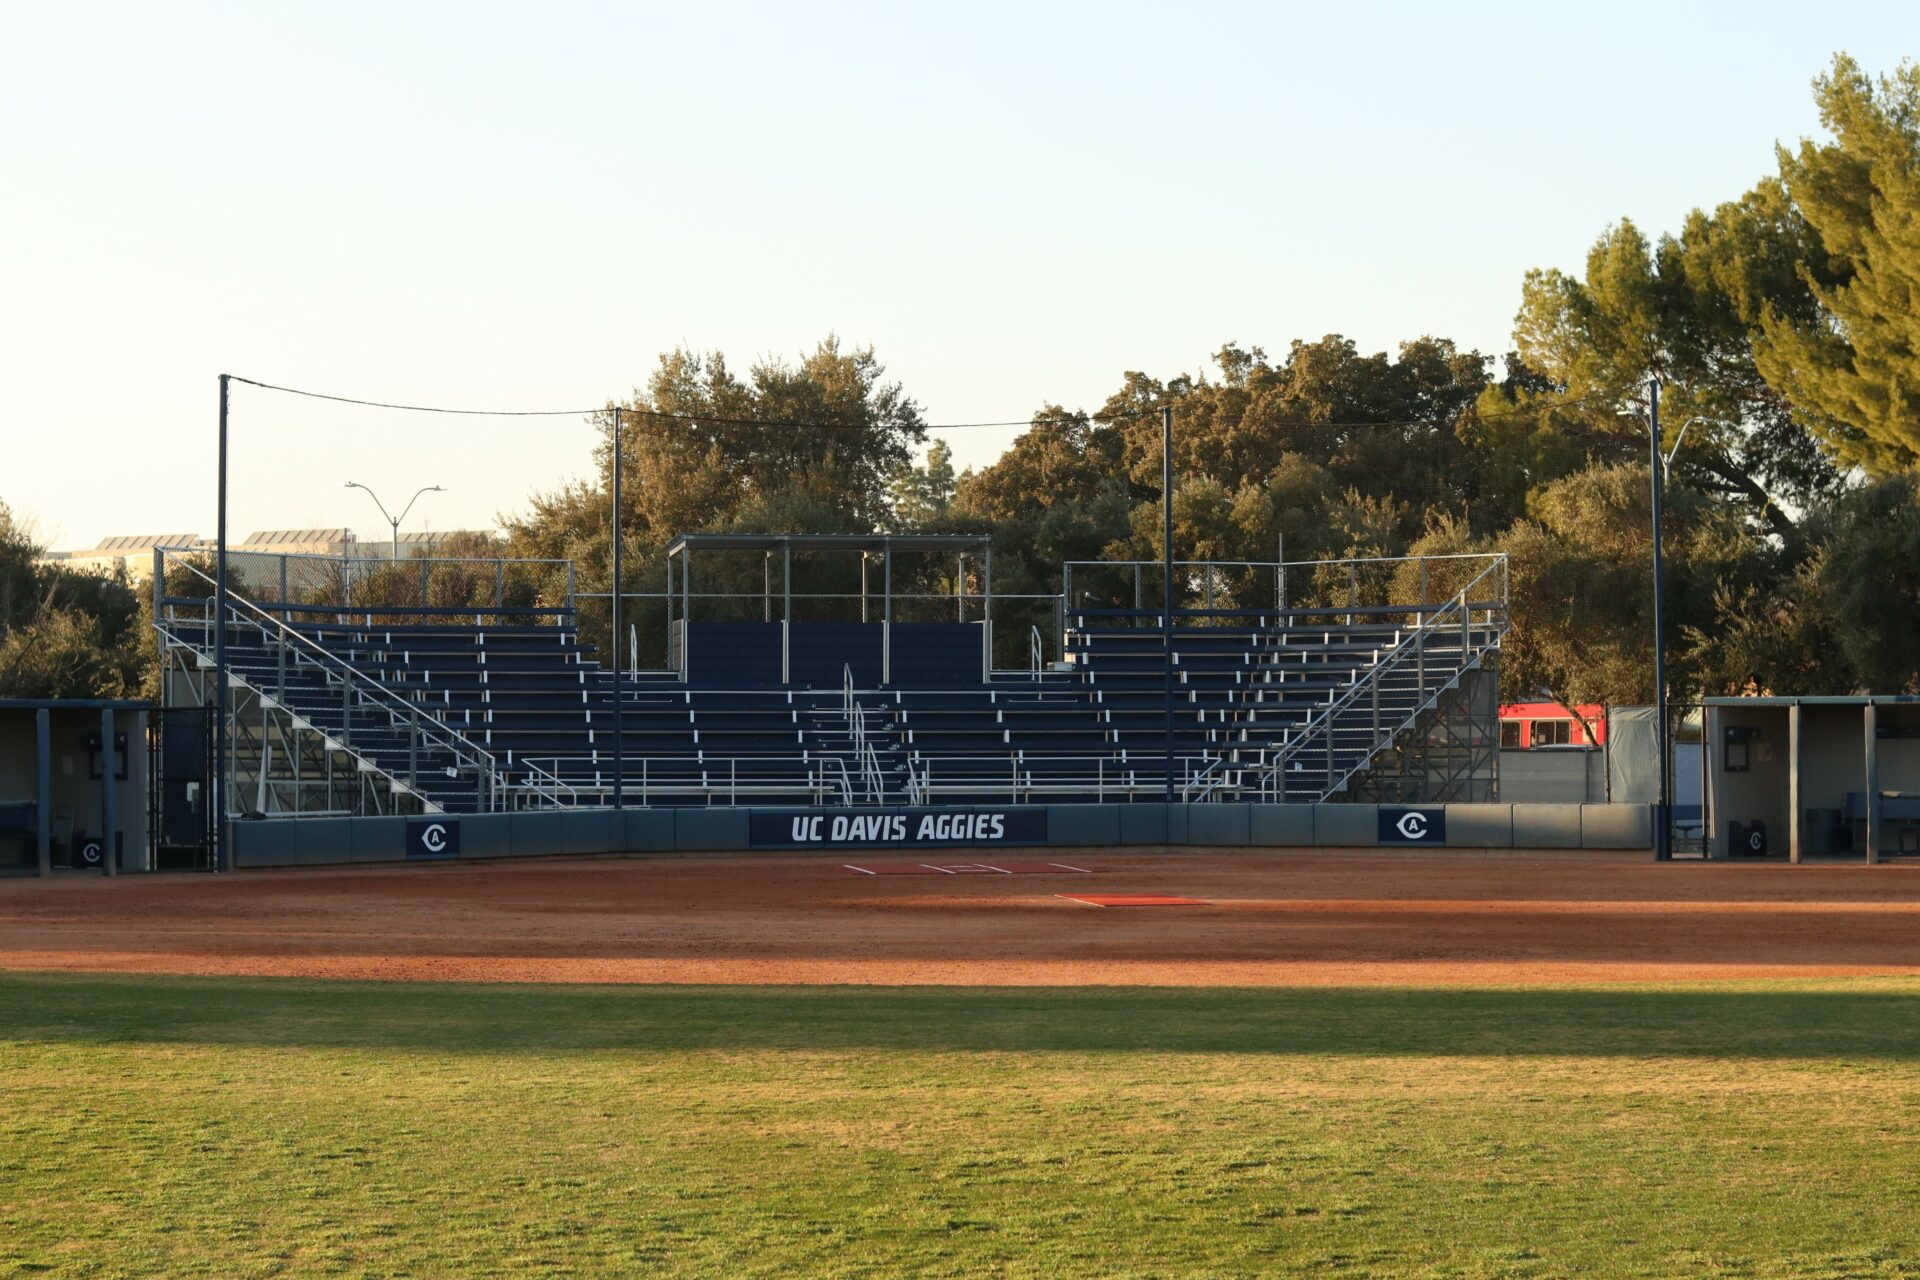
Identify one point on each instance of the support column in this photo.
(863, 586)
(1709, 767)
(986, 586)
(109, 820)
(1795, 821)
(43, 788)
(886, 615)
(960, 587)
(1871, 716)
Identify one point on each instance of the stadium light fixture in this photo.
(394, 520)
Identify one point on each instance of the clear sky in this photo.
(519, 206)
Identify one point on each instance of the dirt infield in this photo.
(1272, 919)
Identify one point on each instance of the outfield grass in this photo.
(162, 1126)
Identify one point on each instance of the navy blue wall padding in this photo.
(943, 655)
(818, 654)
(733, 655)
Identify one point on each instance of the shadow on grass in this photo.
(1784, 1022)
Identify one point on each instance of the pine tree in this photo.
(1853, 371)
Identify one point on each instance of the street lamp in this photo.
(392, 519)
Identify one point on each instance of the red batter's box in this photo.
(967, 869)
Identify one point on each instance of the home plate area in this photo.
(967, 869)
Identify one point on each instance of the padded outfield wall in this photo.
(1464, 827)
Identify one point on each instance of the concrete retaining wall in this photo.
(315, 841)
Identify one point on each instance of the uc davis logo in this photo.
(433, 838)
(1413, 826)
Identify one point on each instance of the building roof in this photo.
(142, 542)
(1823, 700)
(277, 536)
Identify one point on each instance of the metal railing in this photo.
(721, 781)
(292, 582)
(1315, 741)
(358, 691)
(1208, 585)
(1021, 779)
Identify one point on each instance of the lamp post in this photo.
(394, 520)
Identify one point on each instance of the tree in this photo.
(1843, 620)
(1853, 366)
(1582, 584)
(65, 634)
(924, 494)
(1686, 310)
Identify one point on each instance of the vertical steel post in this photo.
(222, 853)
(863, 586)
(43, 789)
(886, 613)
(1166, 580)
(1870, 716)
(619, 743)
(960, 587)
(1794, 816)
(1662, 823)
(986, 583)
(109, 820)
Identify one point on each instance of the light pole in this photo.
(392, 519)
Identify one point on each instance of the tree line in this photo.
(1783, 326)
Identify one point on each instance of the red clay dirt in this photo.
(1274, 918)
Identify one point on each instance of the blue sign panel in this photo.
(433, 837)
(1413, 826)
(897, 829)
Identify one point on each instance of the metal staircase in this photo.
(1417, 725)
(322, 707)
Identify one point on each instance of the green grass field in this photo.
(162, 1126)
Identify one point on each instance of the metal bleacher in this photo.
(503, 705)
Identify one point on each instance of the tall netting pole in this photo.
(1166, 561)
(1662, 826)
(222, 854)
(619, 742)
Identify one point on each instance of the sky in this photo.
(494, 206)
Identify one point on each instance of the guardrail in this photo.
(1317, 736)
(722, 781)
(358, 691)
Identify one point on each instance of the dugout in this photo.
(63, 799)
(1813, 777)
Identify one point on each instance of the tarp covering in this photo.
(1633, 755)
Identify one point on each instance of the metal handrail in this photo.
(556, 784)
(1414, 643)
(1214, 775)
(753, 783)
(449, 739)
(343, 743)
